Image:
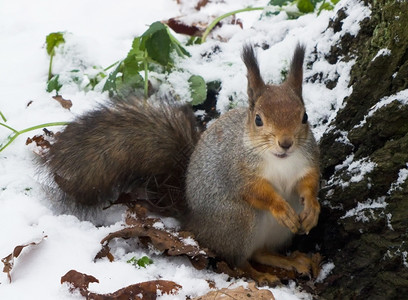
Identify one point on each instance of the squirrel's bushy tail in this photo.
(121, 146)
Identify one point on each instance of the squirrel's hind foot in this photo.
(299, 262)
(262, 278)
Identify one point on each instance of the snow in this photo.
(325, 271)
(404, 258)
(362, 209)
(382, 52)
(356, 169)
(98, 34)
(401, 97)
(402, 177)
(398, 252)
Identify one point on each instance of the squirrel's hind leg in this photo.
(297, 261)
(262, 278)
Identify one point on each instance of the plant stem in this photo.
(321, 8)
(43, 125)
(215, 22)
(112, 65)
(3, 117)
(146, 74)
(50, 67)
(12, 129)
(17, 133)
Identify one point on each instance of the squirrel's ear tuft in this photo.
(256, 84)
(295, 77)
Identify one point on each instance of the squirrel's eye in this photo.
(304, 120)
(258, 120)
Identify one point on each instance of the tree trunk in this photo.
(363, 227)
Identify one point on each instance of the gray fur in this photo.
(115, 147)
(218, 217)
(110, 149)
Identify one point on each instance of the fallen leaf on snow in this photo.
(144, 290)
(151, 231)
(39, 140)
(195, 29)
(239, 293)
(8, 261)
(201, 3)
(182, 25)
(168, 241)
(42, 141)
(78, 281)
(64, 102)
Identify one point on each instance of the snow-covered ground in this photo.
(100, 33)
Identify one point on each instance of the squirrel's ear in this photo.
(295, 77)
(256, 84)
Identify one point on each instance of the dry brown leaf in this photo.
(201, 3)
(67, 104)
(166, 240)
(8, 261)
(78, 281)
(39, 140)
(183, 26)
(42, 141)
(175, 243)
(239, 293)
(143, 290)
(195, 29)
(105, 252)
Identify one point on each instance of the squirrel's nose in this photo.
(285, 144)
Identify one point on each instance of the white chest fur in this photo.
(284, 173)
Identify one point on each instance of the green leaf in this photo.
(305, 6)
(156, 41)
(129, 68)
(141, 262)
(144, 261)
(150, 50)
(129, 83)
(95, 79)
(136, 50)
(110, 84)
(159, 43)
(131, 79)
(53, 84)
(335, 1)
(132, 64)
(198, 89)
(53, 40)
(153, 28)
(326, 6)
(278, 2)
(176, 45)
(194, 40)
(158, 47)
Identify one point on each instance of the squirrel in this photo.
(249, 181)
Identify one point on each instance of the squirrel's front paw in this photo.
(286, 216)
(310, 215)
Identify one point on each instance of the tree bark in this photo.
(368, 244)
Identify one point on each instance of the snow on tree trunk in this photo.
(363, 228)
